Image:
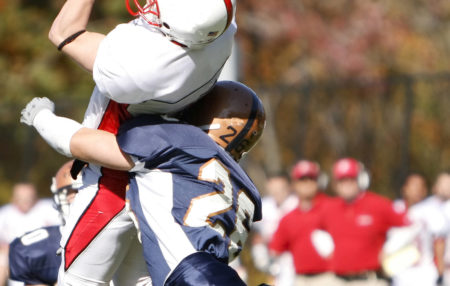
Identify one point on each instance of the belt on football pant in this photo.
(365, 275)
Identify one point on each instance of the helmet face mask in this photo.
(64, 188)
(62, 198)
(150, 12)
(231, 114)
(192, 24)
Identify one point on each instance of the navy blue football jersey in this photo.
(188, 194)
(33, 258)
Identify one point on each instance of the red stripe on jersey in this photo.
(110, 197)
(108, 202)
(229, 6)
(114, 115)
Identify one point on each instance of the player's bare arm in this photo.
(99, 147)
(71, 139)
(68, 32)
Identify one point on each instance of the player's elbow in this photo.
(54, 36)
(57, 33)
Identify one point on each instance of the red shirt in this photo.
(359, 230)
(294, 235)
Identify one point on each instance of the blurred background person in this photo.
(441, 190)
(26, 212)
(399, 251)
(277, 201)
(33, 257)
(358, 220)
(298, 231)
(414, 190)
(426, 236)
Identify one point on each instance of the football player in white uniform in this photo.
(441, 189)
(426, 236)
(165, 59)
(34, 257)
(193, 202)
(279, 201)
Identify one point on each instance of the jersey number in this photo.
(204, 207)
(34, 236)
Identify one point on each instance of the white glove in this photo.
(33, 107)
(57, 131)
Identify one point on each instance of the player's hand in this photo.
(33, 107)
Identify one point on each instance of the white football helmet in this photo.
(193, 23)
(62, 187)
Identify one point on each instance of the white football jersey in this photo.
(14, 223)
(447, 247)
(429, 216)
(136, 63)
(272, 215)
(266, 227)
(446, 208)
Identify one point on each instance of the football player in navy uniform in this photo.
(33, 257)
(194, 203)
(169, 56)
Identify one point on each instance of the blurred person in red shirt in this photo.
(298, 231)
(358, 221)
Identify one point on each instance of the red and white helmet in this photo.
(351, 169)
(305, 168)
(193, 23)
(309, 169)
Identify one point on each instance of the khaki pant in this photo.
(323, 279)
(371, 280)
